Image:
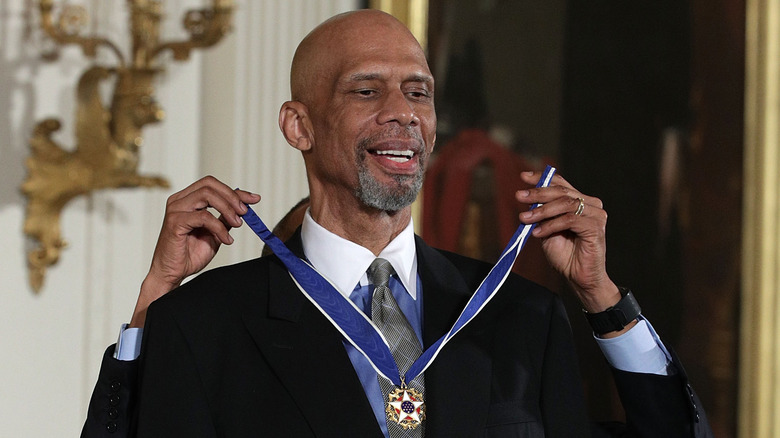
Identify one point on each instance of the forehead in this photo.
(379, 62)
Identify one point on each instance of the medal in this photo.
(406, 407)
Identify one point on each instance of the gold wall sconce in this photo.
(108, 139)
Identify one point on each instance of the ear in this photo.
(296, 125)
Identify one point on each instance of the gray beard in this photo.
(388, 198)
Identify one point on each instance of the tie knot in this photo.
(379, 272)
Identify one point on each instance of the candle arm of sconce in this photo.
(88, 45)
(206, 28)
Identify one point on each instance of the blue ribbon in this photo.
(355, 325)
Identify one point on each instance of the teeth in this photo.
(397, 156)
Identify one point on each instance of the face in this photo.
(374, 121)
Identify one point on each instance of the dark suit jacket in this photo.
(240, 352)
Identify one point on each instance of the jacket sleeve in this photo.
(111, 405)
(562, 399)
(661, 405)
(170, 398)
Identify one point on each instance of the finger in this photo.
(554, 201)
(594, 224)
(247, 197)
(184, 223)
(237, 197)
(206, 181)
(224, 221)
(557, 180)
(209, 197)
(559, 187)
(227, 204)
(557, 207)
(244, 197)
(532, 177)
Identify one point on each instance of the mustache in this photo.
(403, 134)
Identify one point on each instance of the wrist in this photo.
(139, 313)
(601, 300)
(151, 289)
(616, 333)
(616, 319)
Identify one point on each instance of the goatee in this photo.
(388, 197)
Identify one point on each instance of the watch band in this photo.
(616, 317)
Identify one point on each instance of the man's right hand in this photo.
(190, 237)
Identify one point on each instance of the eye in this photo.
(366, 92)
(418, 94)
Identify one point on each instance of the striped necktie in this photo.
(404, 345)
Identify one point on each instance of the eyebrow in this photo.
(416, 77)
(358, 77)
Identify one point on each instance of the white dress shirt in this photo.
(345, 263)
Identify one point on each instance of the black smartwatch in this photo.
(616, 317)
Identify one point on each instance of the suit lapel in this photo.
(307, 354)
(457, 384)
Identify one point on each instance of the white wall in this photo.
(247, 80)
(221, 108)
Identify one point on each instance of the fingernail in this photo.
(523, 193)
(526, 215)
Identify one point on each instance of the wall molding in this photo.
(759, 388)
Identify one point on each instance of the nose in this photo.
(397, 108)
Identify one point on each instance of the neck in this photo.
(368, 227)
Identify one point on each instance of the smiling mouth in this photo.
(397, 156)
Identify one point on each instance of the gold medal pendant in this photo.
(406, 407)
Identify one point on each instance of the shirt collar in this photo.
(345, 263)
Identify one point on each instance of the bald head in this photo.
(325, 49)
(363, 117)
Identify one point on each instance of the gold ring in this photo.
(580, 208)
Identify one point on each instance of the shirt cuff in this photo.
(128, 346)
(639, 350)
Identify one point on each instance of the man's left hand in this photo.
(572, 227)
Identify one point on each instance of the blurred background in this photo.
(656, 107)
(639, 103)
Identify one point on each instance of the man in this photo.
(239, 351)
